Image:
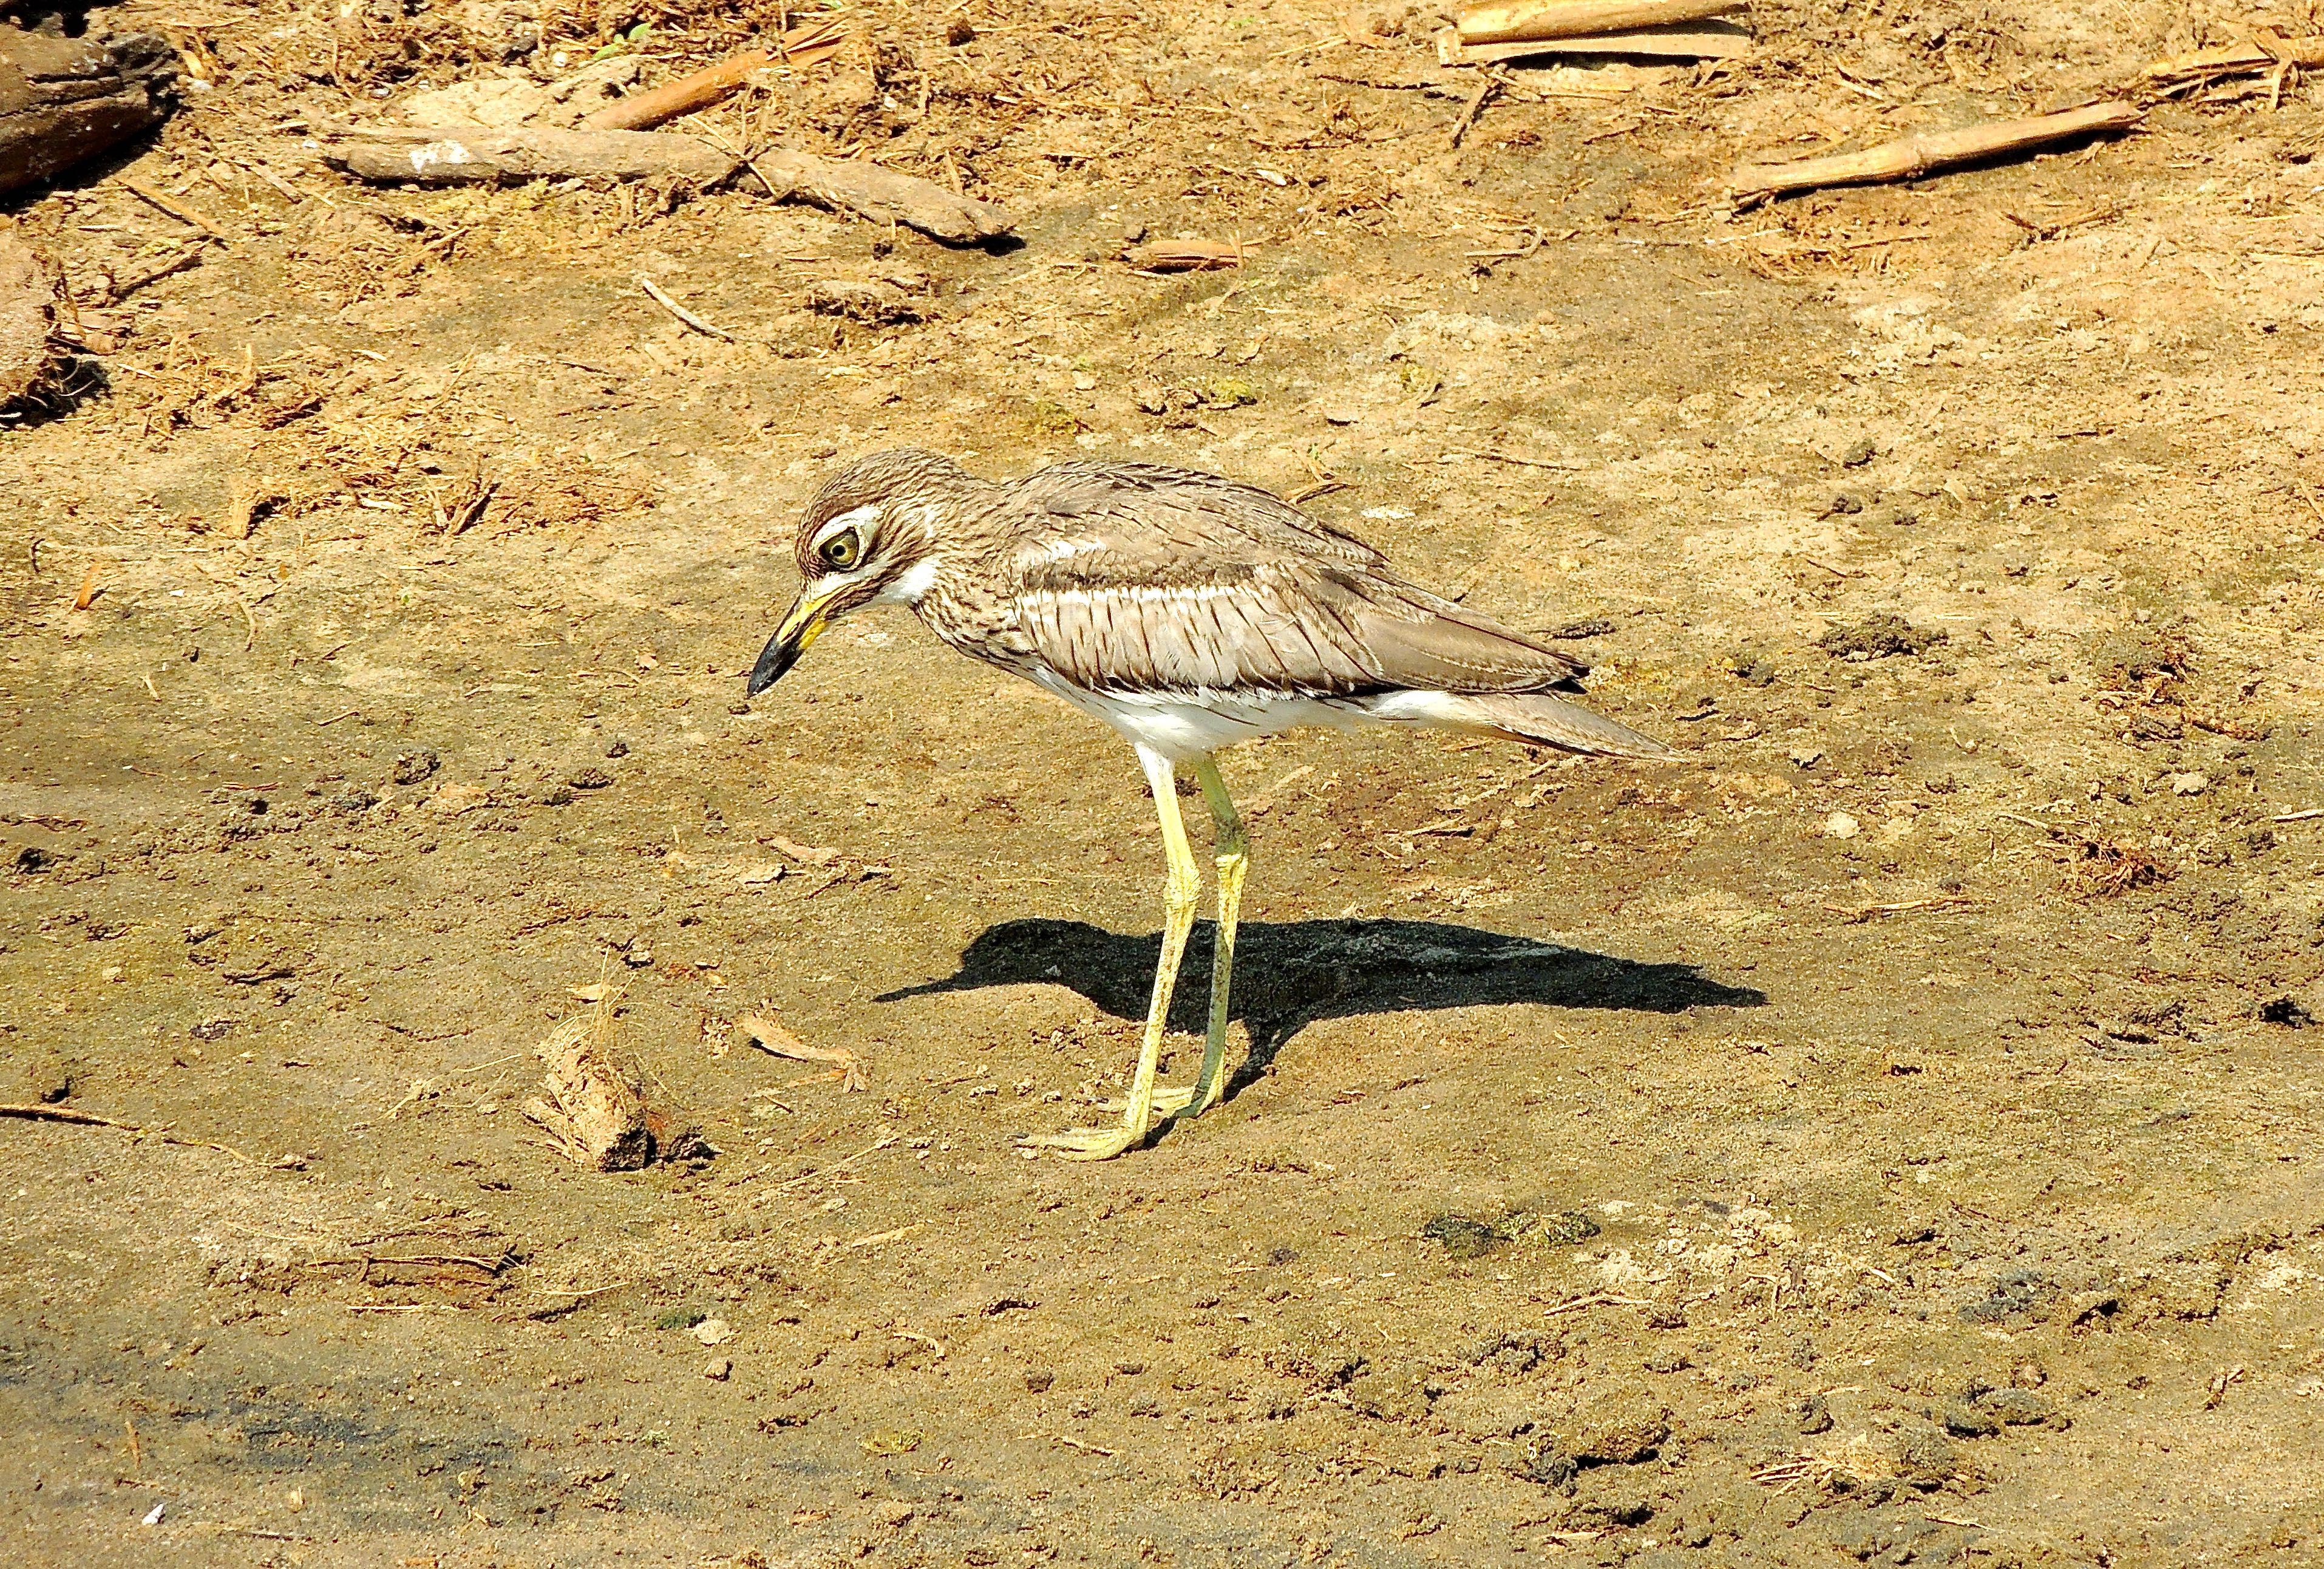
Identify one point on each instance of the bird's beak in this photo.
(801, 626)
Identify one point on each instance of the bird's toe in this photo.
(1083, 1143)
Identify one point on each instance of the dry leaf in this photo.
(450, 800)
(772, 1038)
(811, 854)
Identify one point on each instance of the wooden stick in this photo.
(1912, 156)
(1528, 20)
(1686, 41)
(473, 155)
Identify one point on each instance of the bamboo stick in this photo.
(802, 45)
(702, 90)
(1694, 40)
(1912, 156)
(1530, 21)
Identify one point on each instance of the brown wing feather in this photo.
(1138, 578)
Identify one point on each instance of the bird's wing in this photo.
(1179, 583)
(1156, 494)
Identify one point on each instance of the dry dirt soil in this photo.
(1890, 1134)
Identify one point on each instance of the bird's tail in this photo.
(1533, 718)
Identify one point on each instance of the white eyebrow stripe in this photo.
(857, 519)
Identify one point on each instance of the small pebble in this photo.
(719, 1369)
(1806, 756)
(1841, 825)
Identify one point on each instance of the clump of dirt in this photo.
(2157, 659)
(2110, 867)
(1467, 1237)
(1878, 637)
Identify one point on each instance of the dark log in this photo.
(65, 100)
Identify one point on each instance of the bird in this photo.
(1190, 611)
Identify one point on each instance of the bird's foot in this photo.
(1167, 1102)
(1086, 1143)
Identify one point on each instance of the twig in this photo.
(2265, 49)
(1858, 917)
(1912, 156)
(1071, 1444)
(931, 1342)
(37, 1113)
(1488, 84)
(1516, 458)
(184, 215)
(191, 256)
(654, 292)
(1596, 1299)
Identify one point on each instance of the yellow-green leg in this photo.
(1231, 850)
(1184, 887)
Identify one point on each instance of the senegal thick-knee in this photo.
(1190, 613)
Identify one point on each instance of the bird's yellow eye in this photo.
(843, 550)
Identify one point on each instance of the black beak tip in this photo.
(778, 657)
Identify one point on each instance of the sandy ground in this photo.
(1888, 1135)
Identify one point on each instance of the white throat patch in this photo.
(911, 584)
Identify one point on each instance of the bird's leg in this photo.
(1231, 850)
(1179, 894)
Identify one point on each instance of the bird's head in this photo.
(869, 537)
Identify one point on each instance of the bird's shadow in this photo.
(1289, 975)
